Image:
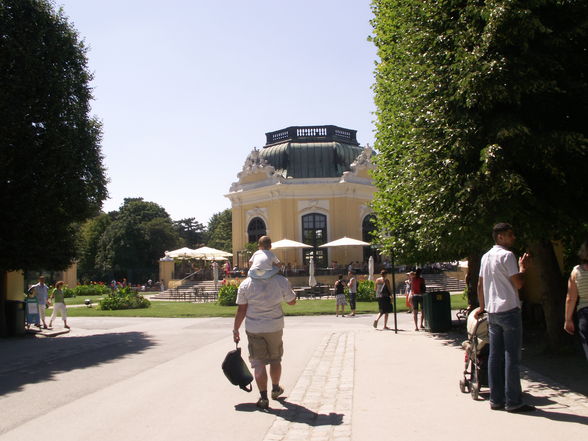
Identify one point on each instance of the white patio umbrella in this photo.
(207, 253)
(345, 242)
(311, 279)
(287, 243)
(182, 253)
(371, 268)
(284, 244)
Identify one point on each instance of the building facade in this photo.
(310, 184)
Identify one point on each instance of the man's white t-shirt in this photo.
(497, 267)
(264, 298)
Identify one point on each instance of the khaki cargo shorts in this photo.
(265, 348)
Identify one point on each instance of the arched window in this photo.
(367, 227)
(314, 233)
(256, 229)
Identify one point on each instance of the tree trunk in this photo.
(3, 289)
(552, 291)
(472, 279)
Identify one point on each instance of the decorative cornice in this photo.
(364, 159)
(362, 162)
(256, 212)
(364, 210)
(313, 205)
(254, 164)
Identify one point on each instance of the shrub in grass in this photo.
(124, 298)
(227, 295)
(366, 291)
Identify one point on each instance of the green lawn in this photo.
(79, 300)
(181, 309)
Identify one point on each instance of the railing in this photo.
(196, 295)
(312, 133)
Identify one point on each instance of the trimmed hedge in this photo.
(91, 290)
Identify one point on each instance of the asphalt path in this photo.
(159, 379)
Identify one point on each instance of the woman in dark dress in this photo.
(383, 291)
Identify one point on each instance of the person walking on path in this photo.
(408, 291)
(58, 297)
(383, 292)
(418, 289)
(41, 292)
(260, 305)
(340, 296)
(498, 285)
(352, 284)
(578, 293)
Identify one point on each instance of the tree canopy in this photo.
(51, 171)
(133, 240)
(220, 231)
(90, 234)
(191, 232)
(481, 110)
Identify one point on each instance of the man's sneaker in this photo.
(522, 409)
(262, 403)
(276, 393)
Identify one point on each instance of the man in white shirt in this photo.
(500, 280)
(41, 292)
(352, 284)
(260, 305)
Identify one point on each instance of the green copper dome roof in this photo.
(311, 151)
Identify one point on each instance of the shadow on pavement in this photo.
(296, 413)
(39, 360)
(557, 416)
(541, 402)
(567, 369)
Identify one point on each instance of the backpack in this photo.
(237, 371)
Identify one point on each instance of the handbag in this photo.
(236, 370)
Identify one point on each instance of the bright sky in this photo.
(186, 88)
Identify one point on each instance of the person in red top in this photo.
(418, 288)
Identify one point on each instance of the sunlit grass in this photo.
(183, 309)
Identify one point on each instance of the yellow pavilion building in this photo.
(311, 184)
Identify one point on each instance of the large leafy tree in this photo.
(51, 172)
(481, 118)
(90, 235)
(191, 232)
(134, 240)
(220, 231)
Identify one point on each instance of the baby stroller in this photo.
(477, 349)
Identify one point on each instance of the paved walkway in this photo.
(158, 379)
(323, 395)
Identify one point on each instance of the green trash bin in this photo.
(437, 306)
(15, 317)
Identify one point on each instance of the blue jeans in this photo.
(583, 329)
(352, 297)
(506, 332)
